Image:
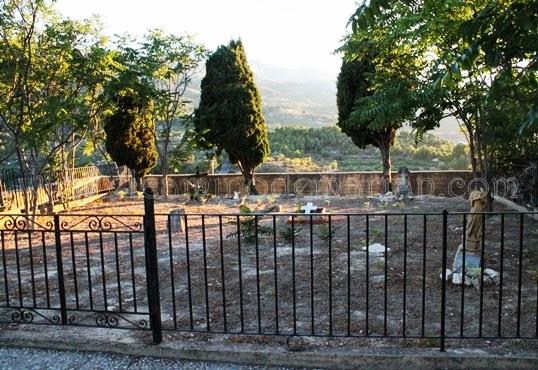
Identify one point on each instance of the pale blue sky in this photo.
(284, 33)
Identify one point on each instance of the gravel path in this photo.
(25, 358)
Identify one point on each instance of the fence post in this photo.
(2, 193)
(60, 268)
(152, 270)
(443, 283)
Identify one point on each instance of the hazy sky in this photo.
(284, 33)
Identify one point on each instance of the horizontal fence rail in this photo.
(326, 275)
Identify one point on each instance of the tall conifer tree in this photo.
(129, 132)
(229, 116)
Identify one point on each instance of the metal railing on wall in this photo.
(72, 184)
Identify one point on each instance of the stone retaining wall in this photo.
(438, 183)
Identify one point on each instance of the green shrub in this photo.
(289, 233)
(247, 226)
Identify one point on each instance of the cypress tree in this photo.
(229, 116)
(129, 133)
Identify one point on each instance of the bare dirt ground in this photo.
(317, 282)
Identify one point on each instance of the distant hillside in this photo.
(310, 103)
(304, 97)
(289, 97)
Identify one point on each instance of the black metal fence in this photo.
(60, 272)
(273, 274)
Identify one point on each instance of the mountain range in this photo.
(289, 96)
(303, 97)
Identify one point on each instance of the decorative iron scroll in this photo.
(24, 223)
(101, 223)
(19, 315)
(111, 320)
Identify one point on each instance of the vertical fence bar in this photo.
(152, 268)
(367, 303)
(222, 277)
(240, 274)
(348, 231)
(89, 273)
(206, 287)
(404, 304)
(463, 273)
(386, 271)
(60, 268)
(275, 262)
(501, 257)
(188, 260)
(172, 283)
(118, 273)
(330, 279)
(133, 280)
(18, 264)
(1, 193)
(103, 272)
(443, 282)
(6, 283)
(258, 299)
(74, 267)
(32, 275)
(293, 287)
(423, 308)
(482, 262)
(520, 275)
(45, 268)
(312, 320)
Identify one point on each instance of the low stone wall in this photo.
(438, 183)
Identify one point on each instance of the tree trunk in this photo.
(488, 176)
(138, 183)
(165, 184)
(384, 148)
(480, 154)
(472, 154)
(164, 170)
(212, 166)
(248, 175)
(35, 202)
(485, 160)
(250, 183)
(24, 189)
(163, 180)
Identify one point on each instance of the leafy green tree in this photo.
(496, 51)
(129, 130)
(504, 35)
(229, 116)
(52, 73)
(502, 133)
(352, 89)
(481, 55)
(391, 72)
(166, 63)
